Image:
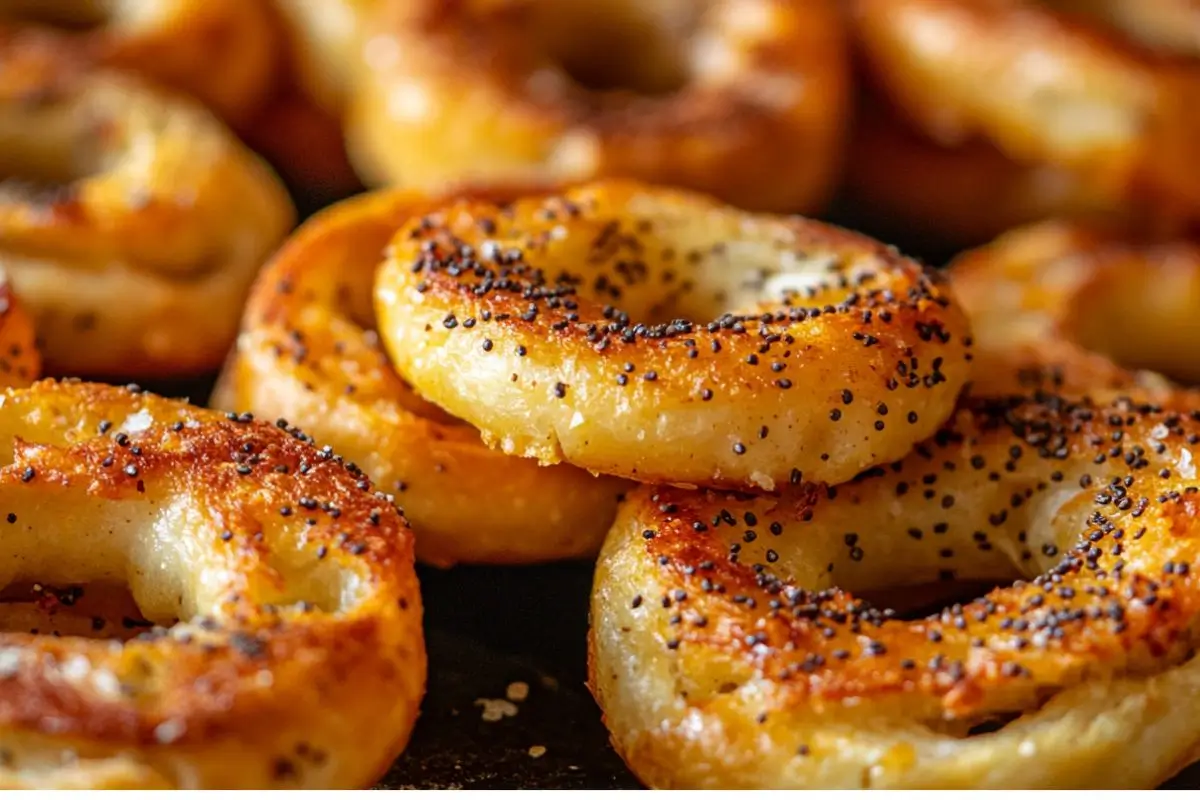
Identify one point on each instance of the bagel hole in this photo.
(99, 610)
(979, 726)
(924, 600)
(44, 169)
(355, 298)
(591, 42)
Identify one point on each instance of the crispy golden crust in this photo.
(1074, 309)
(967, 194)
(298, 659)
(729, 651)
(575, 328)
(20, 361)
(1044, 87)
(744, 99)
(306, 353)
(222, 52)
(135, 224)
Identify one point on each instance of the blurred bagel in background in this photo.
(743, 99)
(901, 184)
(131, 220)
(1095, 105)
(222, 52)
(1079, 310)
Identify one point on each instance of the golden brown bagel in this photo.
(222, 52)
(964, 195)
(307, 353)
(1073, 309)
(292, 653)
(576, 328)
(728, 648)
(132, 222)
(744, 99)
(1044, 87)
(20, 361)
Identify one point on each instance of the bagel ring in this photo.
(293, 653)
(744, 99)
(132, 222)
(572, 328)
(1044, 87)
(1074, 309)
(728, 648)
(306, 354)
(20, 361)
(222, 52)
(968, 194)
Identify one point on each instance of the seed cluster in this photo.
(503, 276)
(621, 303)
(1017, 464)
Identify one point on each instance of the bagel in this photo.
(222, 52)
(729, 649)
(965, 195)
(1075, 309)
(1044, 87)
(131, 223)
(291, 652)
(306, 353)
(20, 361)
(575, 328)
(744, 99)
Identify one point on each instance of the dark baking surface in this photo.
(490, 627)
(487, 629)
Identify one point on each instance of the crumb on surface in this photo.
(495, 710)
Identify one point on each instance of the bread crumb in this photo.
(537, 751)
(496, 710)
(517, 691)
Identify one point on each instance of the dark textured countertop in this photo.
(531, 635)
